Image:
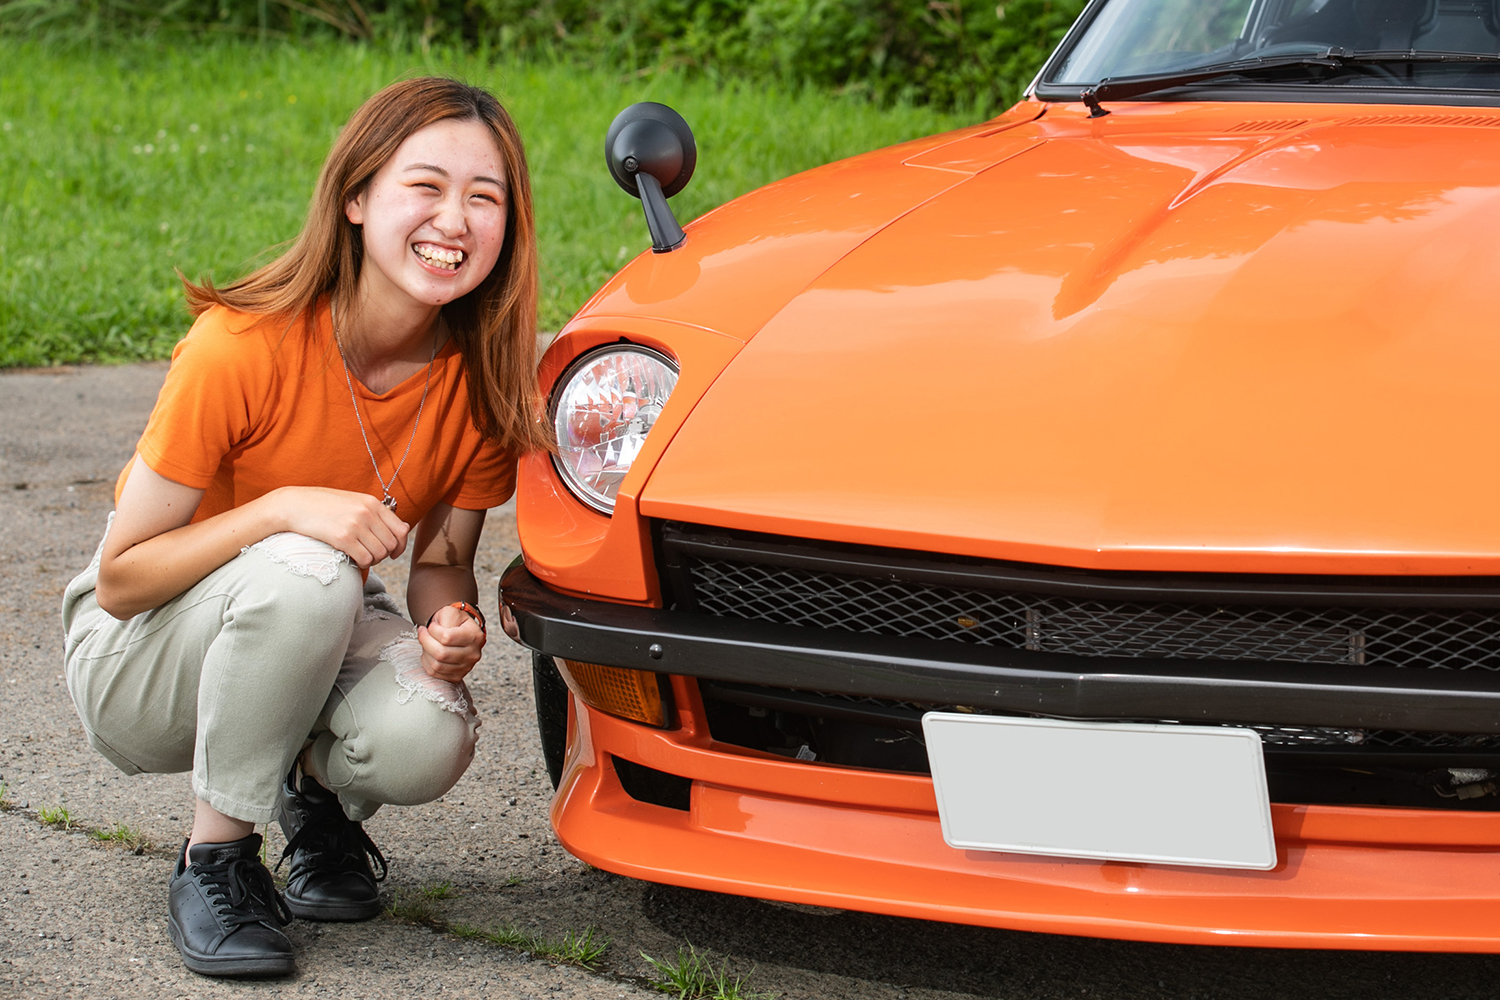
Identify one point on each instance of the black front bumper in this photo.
(1051, 684)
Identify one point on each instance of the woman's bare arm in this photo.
(442, 572)
(153, 553)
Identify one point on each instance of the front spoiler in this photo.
(1011, 680)
(1347, 877)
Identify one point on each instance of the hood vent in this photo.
(1471, 121)
(1271, 126)
(1461, 121)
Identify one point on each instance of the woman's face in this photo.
(433, 217)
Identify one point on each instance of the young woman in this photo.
(366, 392)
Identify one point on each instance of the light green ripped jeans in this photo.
(280, 648)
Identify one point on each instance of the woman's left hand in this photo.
(451, 644)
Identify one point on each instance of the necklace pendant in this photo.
(390, 503)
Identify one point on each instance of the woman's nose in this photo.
(450, 219)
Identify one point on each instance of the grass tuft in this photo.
(415, 908)
(439, 890)
(122, 836)
(5, 803)
(57, 816)
(60, 817)
(581, 949)
(691, 976)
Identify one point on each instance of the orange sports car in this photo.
(1085, 521)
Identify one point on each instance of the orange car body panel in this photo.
(1313, 288)
(1216, 337)
(763, 826)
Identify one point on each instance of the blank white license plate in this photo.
(1179, 795)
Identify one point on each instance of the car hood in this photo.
(743, 261)
(1176, 337)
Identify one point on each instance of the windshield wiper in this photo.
(1126, 87)
(1378, 56)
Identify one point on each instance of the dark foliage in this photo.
(976, 55)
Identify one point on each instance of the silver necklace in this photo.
(385, 487)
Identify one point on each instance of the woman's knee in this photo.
(424, 750)
(306, 584)
(413, 752)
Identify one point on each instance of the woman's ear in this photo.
(354, 209)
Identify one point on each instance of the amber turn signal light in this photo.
(630, 694)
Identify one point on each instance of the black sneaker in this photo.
(331, 877)
(224, 914)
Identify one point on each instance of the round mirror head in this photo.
(651, 138)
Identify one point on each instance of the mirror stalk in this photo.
(666, 234)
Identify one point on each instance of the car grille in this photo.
(1332, 627)
(1303, 764)
(1283, 736)
(1444, 638)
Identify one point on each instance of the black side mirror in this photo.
(651, 154)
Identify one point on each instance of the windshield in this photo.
(1415, 40)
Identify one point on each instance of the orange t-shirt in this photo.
(250, 405)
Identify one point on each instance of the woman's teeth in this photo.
(448, 260)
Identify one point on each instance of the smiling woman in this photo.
(288, 442)
(430, 228)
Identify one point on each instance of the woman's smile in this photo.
(439, 258)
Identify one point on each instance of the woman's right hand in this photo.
(354, 523)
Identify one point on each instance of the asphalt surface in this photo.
(80, 917)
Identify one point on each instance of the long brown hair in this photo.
(493, 326)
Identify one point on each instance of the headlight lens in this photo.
(608, 403)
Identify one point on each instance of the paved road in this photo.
(81, 918)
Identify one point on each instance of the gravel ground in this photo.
(81, 917)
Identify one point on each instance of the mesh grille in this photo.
(1452, 639)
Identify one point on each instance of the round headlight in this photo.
(606, 405)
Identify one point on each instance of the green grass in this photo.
(121, 836)
(415, 908)
(119, 164)
(439, 890)
(583, 949)
(57, 816)
(60, 817)
(691, 976)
